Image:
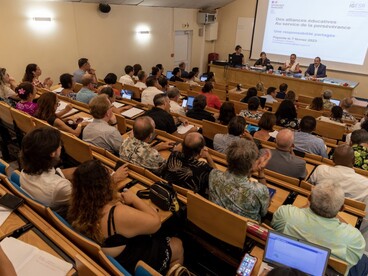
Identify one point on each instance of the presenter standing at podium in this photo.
(237, 58)
(316, 69)
(291, 65)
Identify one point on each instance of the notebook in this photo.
(117, 105)
(62, 105)
(284, 250)
(130, 113)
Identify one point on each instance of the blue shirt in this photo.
(85, 95)
(307, 142)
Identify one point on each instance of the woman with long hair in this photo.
(7, 86)
(47, 105)
(121, 222)
(286, 115)
(32, 74)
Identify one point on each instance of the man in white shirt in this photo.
(271, 95)
(151, 91)
(128, 77)
(355, 186)
(174, 96)
(141, 83)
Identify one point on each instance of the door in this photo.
(183, 48)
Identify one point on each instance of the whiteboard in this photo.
(244, 32)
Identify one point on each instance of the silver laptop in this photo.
(284, 250)
(335, 101)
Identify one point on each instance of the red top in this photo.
(212, 100)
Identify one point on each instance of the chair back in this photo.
(122, 127)
(192, 93)
(85, 268)
(136, 91)
(4, 167)
(76, 148)
(330, 130)
(239, 106)
(305, 99)
(23, 121)
(182, 85)
(220, 93)
(197, 88)
(77, 87)
(143, 269)
(216, 221)
(302, 112)
(40, 123)
(210, 129)
(275, 106)
(339, 265)
(235, 96)
(5, 114)
(118, 86)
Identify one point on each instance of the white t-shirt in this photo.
(6, 92)
(140, 85)
(293, 67)
(50, 188)
(126, 79)
(148, 94)
(176, 108)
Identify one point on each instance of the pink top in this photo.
(28, 107)
(212, 100)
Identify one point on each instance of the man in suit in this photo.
(316, 69)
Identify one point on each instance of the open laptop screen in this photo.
(169, 74)
(190, 102)
(283, 250)
(337, 102)
(126, 94)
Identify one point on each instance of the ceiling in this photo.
(188, 4)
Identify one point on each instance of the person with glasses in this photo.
(84, 68)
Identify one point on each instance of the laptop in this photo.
(126, 94)
(190, 101)
(203, 78)
(169, 74)
(335, 101)
(284, 250)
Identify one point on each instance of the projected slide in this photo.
(335, 30)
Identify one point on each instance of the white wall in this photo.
(228, 18)
(79, 30)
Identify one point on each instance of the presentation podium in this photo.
(301, 86)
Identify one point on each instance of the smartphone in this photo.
(10, 201)
(246, 266)
(184, 104)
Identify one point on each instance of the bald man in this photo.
(184, 167)
(137, 149)
(283, 160)
(354, 185)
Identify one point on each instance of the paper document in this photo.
(117, 105)
(57, 90)
(86, 119)
(4, 214)
(62, 106)
(130, 113)
(184, 129)
(31, 261)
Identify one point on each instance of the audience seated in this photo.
(32, 73)
(86, 94)
(156, 72)
(345, 104)
(319, 223)
(137, 150)
(354, 185)
(26, 92)
(107, 90)
(283, 160)
(236, 131)
(151, 91)
(363, 124)
(110, 80)
(282, 91)
(7, 86)
(198, 112)
(233, 189)
(271, 95)
(96, 206)
(184, 167)
(84, 68)
(227, 112)
(174, 96)
(128, 77)
(195, 70)
(47, 105)
(67, 83)
(252, 112)
(163, 83)
(316, 104)
(40, 154)
(99, 132)
(176, 75)
(335, 117)
(136, 68)
(327, 104)
(211, 78)
(286, 115)
(161, 70)
(252, 91)
(266, 124)
(183, 73)
(191, 80)
(291, 96)
(305, 141)
(141, 82)
(212, 99)
(359, 143)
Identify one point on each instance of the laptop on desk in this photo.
(284, 250)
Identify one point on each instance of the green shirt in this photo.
(361, 157)
(345, 241)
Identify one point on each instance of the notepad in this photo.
(4, 214)
(58, 90)
(184, 129)
(130, 113)
(31, 261)
(117, 105)
(62, 106)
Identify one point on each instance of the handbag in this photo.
(162, 195)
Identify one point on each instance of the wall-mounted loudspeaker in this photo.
(104, 8)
